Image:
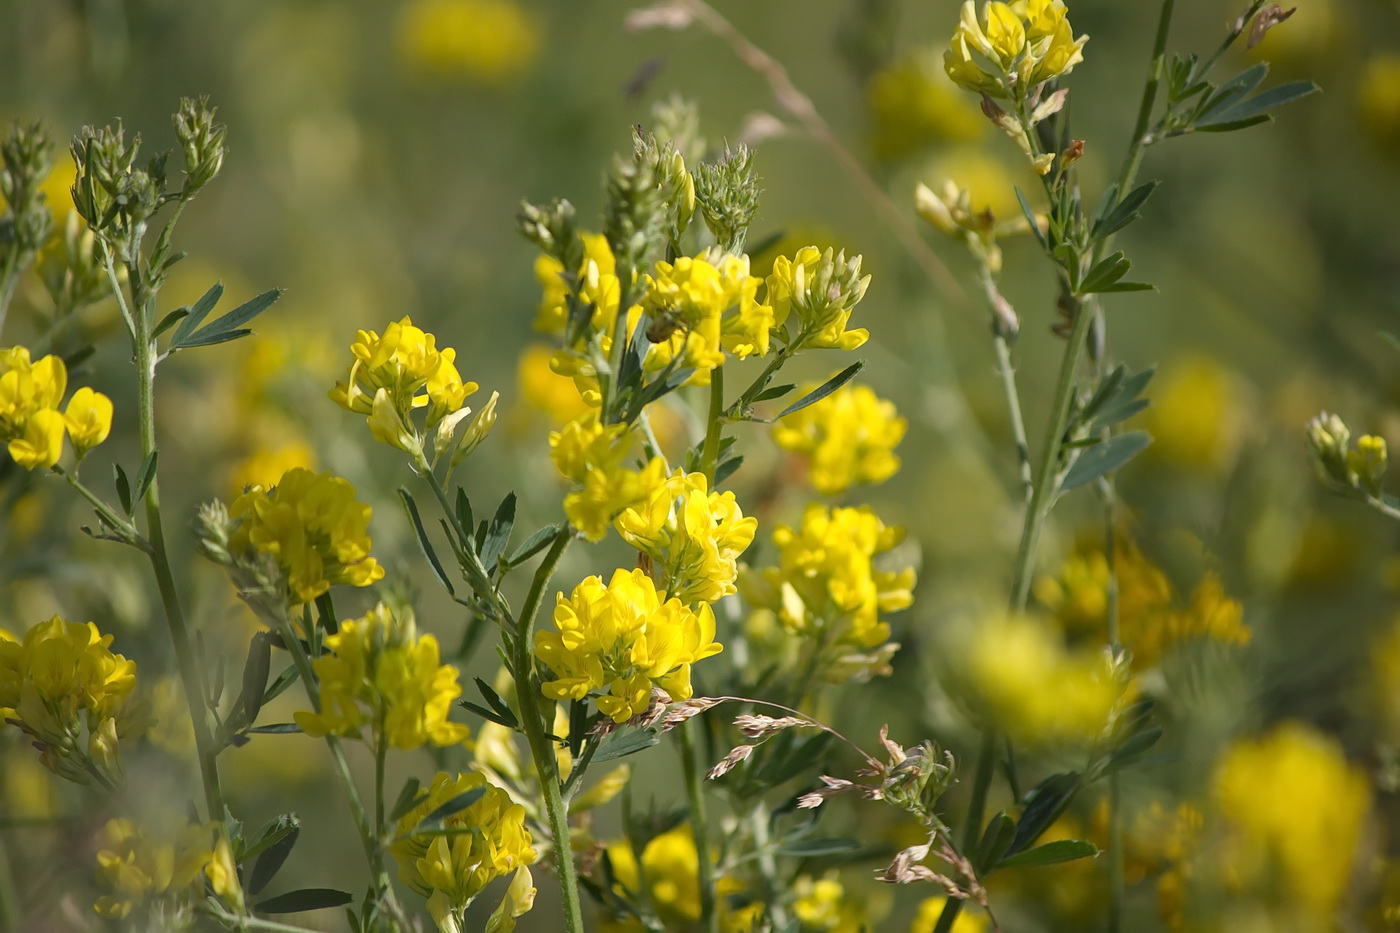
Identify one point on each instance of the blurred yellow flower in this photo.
(671, 868)
(315, 529)
(380, 673)
(491, 41)
(154, 870)
(1018, 672)
(931, 908)
(624, 637)
(1385, 666)
(1198, 415)
(451, 870)
(1378, 99)
(913, 103)
(1294, 809)
(546, 390)
(849, 437)
(265, 466)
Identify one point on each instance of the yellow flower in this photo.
(598, 286)
(1295, 810)
(490, 41)
(544, 389)
(826, 586)
(397, 373)
(29, 397)
(625, 638)
(1025, 44)
(849, 437)
(819, 289)
(1019, 673)
(88, 418)
(912, 103)
(817, 902)
(694, 537)
(265, 466)
(491, 842)
(41, 442)
(379, 672)
(591, 454)
(137, 868)
(969, 920)
(1197, 417)
(671, 868)
(61, 677)
(315, 529)
(1379, 101)
(694, 297)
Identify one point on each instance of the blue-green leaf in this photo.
(1104, 458)
(1061, 850)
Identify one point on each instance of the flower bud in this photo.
(1368, 461)
(1328, 437)
(202, 141)
(476, 432)
(727, 192)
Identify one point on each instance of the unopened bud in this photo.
(1328, 437)
(202, 141)
(1368, 461)
(481, 426)
(1073, 153)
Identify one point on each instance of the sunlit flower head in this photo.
(848, 437)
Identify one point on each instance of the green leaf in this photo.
(209, 337)
(823, 390)
(1236, 124)
(1233, 90)
(1255, 109)
(144, 476)
(1128, 287)
(1104, 458)
(123, 488)
(1104, 273)
(271, 858)
(1029, 213)
(773, 392)
(789, 755)
(488, 715)
(452, 807)
(424, 544)
(498, 533)
(235, 319)
(1125, 212)
(532, 545)
(280, 685)
(726, 469)
(1042, 806)
(197, 313)
(277, 728)
(270, 834)
(808, 848)
(255, 673)
(1132, 750)
(501, 708)
(996, 839)
(624, 742)
(294, 902)
(1061, 850)
(170, 320)
(408, 798)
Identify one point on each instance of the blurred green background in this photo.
(379, 151)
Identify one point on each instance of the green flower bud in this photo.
(727, 192)
(201, 140)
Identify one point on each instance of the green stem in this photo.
(695, 793)
(381, 752)
(9, 275)
(1013, 406)
(575, 781)
(710, 453)
(191, 675)
(527, 693)
(369, 838)
(768, 866)
(1138, 142)
(126, 528)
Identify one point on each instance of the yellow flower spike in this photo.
(41, 443)
(315, 529)
(1006, 34)
(88, 418)
(623, 637)
(849, 437)
(380, 672)
(450, 871)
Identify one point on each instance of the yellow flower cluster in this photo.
(693, 536)
(381, 673)
(1018, 672)
(490, 41)
(71, 695)
(624, 637)
(1379, 101)
(710, 305)
(397, 373)
(849, 438)
(912, 104)
(1199, 415)
(591, 454)
(1152, 623)
(819, 290)
(1295, 810)
(827, 587)
(670, 870)
(30, 422)
(1026, 43)
(599, 287)
(451, 864)
(931, 908)
(313, 527)
(138, 869)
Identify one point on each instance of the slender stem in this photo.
(800, 107)
(710, 453)
(768, 866)
(191, 675)
(580, 768)
(128, 530)
(695, 793)
(381, 750)
(369, 838)
(248, 922)
(527, 695)
(1138, 142)
(1013, 406)
(9, 275)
